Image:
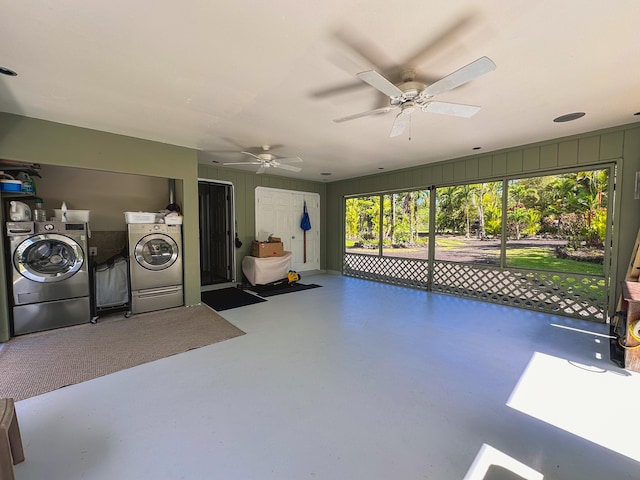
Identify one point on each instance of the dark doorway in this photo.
(217, 259)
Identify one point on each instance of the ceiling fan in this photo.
(411, 94)
(266, 159)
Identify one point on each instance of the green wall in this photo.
(245, 185)
(620, 144)
(39, 141)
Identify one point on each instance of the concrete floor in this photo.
(356, 380)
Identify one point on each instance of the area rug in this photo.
(226, 298)
(37, 363)
(270, 291)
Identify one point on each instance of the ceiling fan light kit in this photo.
(411, 94)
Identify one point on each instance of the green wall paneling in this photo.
(485, 166)
(514, 162)
(448, 172)
(589, 149)
(568, 153)
(549, 156)
(499, 164)
(460, 171)
(611, 145)
(472, 169)
(437, 175)
(426, 176)
(531, 159)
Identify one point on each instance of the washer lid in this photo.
(48, 258)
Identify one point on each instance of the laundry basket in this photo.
(111, 287)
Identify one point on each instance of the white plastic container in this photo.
(173, 220)
(139, 217)
(73, 215)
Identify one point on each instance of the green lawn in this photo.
(544, 259)
(449, 243)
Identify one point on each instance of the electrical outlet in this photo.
(93, 251)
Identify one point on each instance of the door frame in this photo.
(232, 227)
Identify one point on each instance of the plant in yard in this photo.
(571, 227)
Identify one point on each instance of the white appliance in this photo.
(49, 275)
(155, 252)
(19, 212)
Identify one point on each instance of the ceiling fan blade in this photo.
(290, 160)
(361, 47)
(234, 143)
(252, 155)
(243, 163)
(400, 123)
(455, 109)
(220, 151)
(291, 168)
(338, 90)
(448, 36)
(262, 169)
(378, 82)
(460, 77)
(364, 114)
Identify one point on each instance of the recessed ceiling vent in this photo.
(7, 71)
(569, 117)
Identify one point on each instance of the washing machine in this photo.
(49, 275)
(155, 252)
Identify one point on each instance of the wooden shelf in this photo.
(631, 291)
(630, 303)
(31, 169)
(23, 195)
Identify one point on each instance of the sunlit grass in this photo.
(449, 243)
(545, 259)
(407, 250)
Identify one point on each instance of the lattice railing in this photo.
(405, 272)
(568, 294)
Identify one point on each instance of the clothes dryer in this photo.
(49, 275)
(155, 252)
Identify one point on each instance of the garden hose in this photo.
(634, 332)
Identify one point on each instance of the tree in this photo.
(520, 215)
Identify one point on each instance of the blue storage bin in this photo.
(10, 186)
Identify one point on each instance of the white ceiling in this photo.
(220, 76)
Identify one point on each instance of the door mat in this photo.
(40, 362)
(227, 298)
(272, 290)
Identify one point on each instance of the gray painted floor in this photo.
(356, 380)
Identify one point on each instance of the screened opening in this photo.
(469, 223)
(558, 222)
(362, 225)
(406, 224)
(540, 243)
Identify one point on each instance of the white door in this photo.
(309, 260)
(279, 213)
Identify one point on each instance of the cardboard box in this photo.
(267, 249)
